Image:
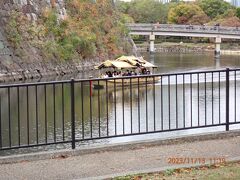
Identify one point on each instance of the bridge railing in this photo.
(184, 28)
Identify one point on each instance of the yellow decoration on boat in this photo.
(126, 62)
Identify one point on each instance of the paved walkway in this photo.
(142, 158)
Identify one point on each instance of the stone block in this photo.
(1, 45)
(1, 37)
(3, 13)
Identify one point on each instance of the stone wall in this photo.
(175, 49)
(7, 58)
(31, 8)
(13, 67)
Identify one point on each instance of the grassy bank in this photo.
(217, 172)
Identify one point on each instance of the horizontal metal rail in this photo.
(185, 28)
(72, 111)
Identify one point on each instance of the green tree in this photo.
(214, 8)
(186, 13)
(145, 11)
(238, 12)
(123, 6)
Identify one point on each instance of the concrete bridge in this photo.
(217, 32)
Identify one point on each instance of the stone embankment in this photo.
(231, 49)
(230, 52)
(12, 66)
(175, 48)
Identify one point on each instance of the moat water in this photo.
(92, 121)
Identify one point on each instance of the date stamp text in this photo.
(195, 160)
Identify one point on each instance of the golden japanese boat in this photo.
(127, 63)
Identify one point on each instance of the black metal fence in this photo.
(46, 113)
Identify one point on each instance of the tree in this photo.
(123, 6)
(231, 21)
(238, 12)
(186, 13)
(145, 11)
(214, 8)
(199, 19)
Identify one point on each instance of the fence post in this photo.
(73, 113)
(0, 122)
(227, 99)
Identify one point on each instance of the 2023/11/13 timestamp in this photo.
(195, 160)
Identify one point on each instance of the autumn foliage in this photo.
(97, 27)
(91, 29)
(197, 12)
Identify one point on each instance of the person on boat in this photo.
(110, 74)
(105, 75)
(119, 73)
(144, 71)
(114, 73)
(129, 73)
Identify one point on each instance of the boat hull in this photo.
(135, 81)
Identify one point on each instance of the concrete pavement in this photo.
(106, 162)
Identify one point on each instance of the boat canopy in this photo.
(126, 62)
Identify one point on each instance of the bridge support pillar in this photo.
(151, 39)
(217, 46)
